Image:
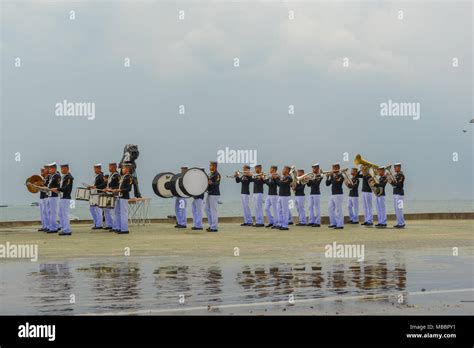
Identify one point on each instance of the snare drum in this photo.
(83, 194)
(94, 199)
(106, 201)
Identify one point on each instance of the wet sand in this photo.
(160, 239)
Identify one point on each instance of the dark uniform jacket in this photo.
(314, 184)
(335, 181)
(284, 184)
(398, 186)
(365, 182)
(382, 182)
(257, 184)
(213, 188)
(114, 181)
(125, 186)
(354, 187)
(43, 195)
(54, 182)
(272, 187)
(245, 180)
(66, 186)
(99, 182)
(299, 189)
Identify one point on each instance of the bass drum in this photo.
(193, 182)
(161, 184)
(174, 186)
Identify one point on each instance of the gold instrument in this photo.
(305, 178)
(35, 183)
(347, 180)
(372, 167)
(390, 176)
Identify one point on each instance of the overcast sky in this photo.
(283, 62)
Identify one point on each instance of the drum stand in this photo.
(138, 212)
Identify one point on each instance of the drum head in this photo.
(159, 185)
(175, 189)
(193, 182)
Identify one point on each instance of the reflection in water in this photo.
(115, 286)
(51, 288)
(309, 282)
(158, 283)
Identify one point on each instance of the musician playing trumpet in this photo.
(315, 197)
(380, 200)
(244, 179)
(258, 182)
(335, 179)
(353, 201)
(272, 197)
(284, 194)
(300, 200)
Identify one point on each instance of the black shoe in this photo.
(339, 228)
(364, 223)
(258, 225)
(316, 225)
(274, 227)
(399, 226)
(309, 224)
(96, 228)
(369, 224)
(107, 228)
(208, 229)
(196, 228)
(299, 224)
(290, 223)
(246, 224)
(354, 222)
(122, 232)
(64, 234)
(283, 228)
(211, 230)
(331, 226)
(269, 225)
(180, 226)
(52, 231)
(41, 230)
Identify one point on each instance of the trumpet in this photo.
(238, 174)
(305, 178)
(347, 180)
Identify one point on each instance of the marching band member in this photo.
(398, 194)
(213, 194)
(272, 198)
(180, 207)
(315, 198)
(380, 200)
(336, 215)
(123, 191)
(99, 184)
(64, 203)
(258, 182)
(197, 211)
(53, 197)
(113, 183)
(353, 202)
(245, 179)
(284, 194)
(43, 200)
(366, 196)
(300, 198)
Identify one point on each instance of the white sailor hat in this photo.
(397, 164)
(98, 165)
(336, 164)
(64, 165)
(126, 164)
(53, 164)
(112, 164)
(185, 167)
(213, 162)
(315, 165)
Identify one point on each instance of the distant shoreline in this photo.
(238, 219)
